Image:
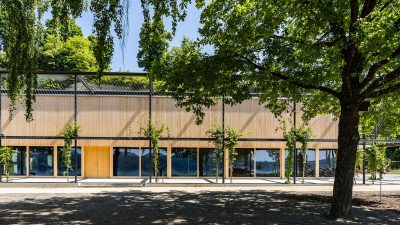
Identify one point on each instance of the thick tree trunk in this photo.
(348, 142)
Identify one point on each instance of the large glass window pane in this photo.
(18, 162)
(207, 163)
(244, 164)
(267, 163)
(41, 161)
(126, 161)
(184, 162)
(309, 160)
(162, 165)
(327, 162)
(61, 165)
(310, 163)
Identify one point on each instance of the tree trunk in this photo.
(348, 143)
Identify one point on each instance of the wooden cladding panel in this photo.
(122, 116)
(51, 114)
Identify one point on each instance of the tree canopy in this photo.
(332, 56)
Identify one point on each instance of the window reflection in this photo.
(244, 164)
(126, 161)
(145, 161)
(207, 163)
(62, 167)
(327, 162)
(267, 163)
(184, 162)
(41, 161)
(309, 160)
(18, 161)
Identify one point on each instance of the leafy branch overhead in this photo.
(332, 56)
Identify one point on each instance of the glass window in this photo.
(310, 163)
(184, 162)
(162, 165)
(126, 161)
(327, 162)
(18, 162)
(244, 164)
(267, 163)
(207, 163)
(61, 166)
(41, 161)
(309, 167)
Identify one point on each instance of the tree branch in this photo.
(368, 7)
(354, 10)
(371, 91)
(385, 91)
(292, 81)
(375, 67)
(311, 43)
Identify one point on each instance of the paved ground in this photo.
(389, 179)
(190, 205)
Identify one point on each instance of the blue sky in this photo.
(126, 59)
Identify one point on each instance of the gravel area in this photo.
(198, 207)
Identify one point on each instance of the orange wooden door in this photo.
(97, 162)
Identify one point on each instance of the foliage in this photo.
(75, 54)
(70, 131)
(376, 160)
(154, 42)
(51, 83)
(359, 159)
(107, 14)
(5, 160)
(24, 31)
(232, 141)
(231, 137)
(329, 55)
(294, 135)
(217, 135)
(153, 133)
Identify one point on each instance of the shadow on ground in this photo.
(175, 207)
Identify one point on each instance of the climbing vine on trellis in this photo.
(294, 135)
(153, 133)
(231, 141)
(5, 161)
(69, 133)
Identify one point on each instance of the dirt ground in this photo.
(180, 207)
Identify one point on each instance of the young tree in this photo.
(333, 56)
(5, 162)
(217, 134)
(153, 133)
(376, 160)
(70, 131)
(232, 136)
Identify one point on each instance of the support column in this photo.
(169, 161)
(150, 118)
(223, 142)
(317, 162)
(1, 107)
(75, 124)
(282, 162)
(295, 147)
(363, 161)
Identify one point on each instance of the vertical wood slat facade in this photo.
(122, 116)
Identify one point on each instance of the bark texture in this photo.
(348, 142)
